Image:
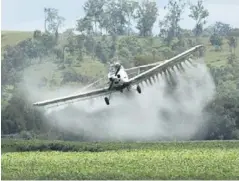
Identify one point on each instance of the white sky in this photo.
(29, 15)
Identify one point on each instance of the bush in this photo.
(66, 146)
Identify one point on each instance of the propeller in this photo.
(112, 80)
(117, 70)
(111, 83)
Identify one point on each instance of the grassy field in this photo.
(166, 160)
(14, 37)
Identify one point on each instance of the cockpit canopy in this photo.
(114, 67)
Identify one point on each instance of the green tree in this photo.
(221, 29)
(199, 14)
(53, 21)
(146, 16)
(216, 41)
(93, 10)
(170, 24)
(116, 21)
(129, 8)
(99, 52)
(232, 42)
(84, 25)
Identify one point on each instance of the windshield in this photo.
(113, 68)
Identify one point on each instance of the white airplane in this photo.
(119, 80)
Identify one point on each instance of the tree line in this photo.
(116, 17)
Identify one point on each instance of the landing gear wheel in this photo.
(138, 89)
(107, 100)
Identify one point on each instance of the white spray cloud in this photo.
(156, 114)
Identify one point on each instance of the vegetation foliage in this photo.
(179, 160)
(16, 145)
(105, 33)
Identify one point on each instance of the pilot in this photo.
(117, 65)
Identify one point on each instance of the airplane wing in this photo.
(139, 69)
(159, 67)
(80, 96)
(145, 66)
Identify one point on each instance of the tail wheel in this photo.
(138, 89)
(107, 100)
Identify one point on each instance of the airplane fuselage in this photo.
(120, 79)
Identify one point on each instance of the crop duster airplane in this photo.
(118, 79)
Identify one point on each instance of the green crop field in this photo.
(166, 160)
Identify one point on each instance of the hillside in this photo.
(14, 37)
(42, 64)
(213, 58)
(94, 68)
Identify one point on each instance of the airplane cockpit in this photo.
(114, 67)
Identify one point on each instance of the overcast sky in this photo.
(29, 14)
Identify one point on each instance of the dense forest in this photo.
(107, 32)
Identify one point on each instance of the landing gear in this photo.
(107, 101)
(138, 89)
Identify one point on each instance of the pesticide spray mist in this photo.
(155, 114)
